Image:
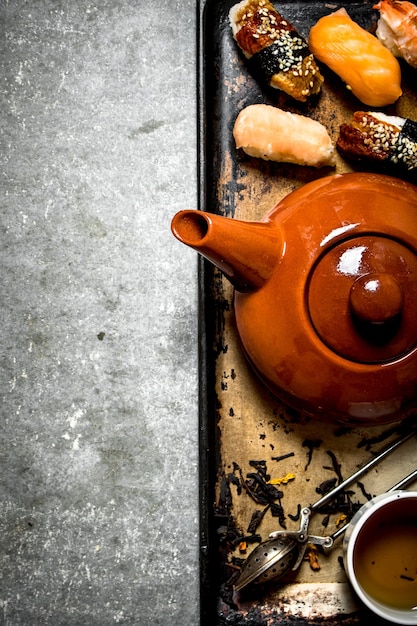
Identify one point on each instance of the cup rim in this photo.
(396, 616)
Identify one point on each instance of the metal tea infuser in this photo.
(285, 550)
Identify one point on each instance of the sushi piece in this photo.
(368, 68)
(373, 136)
(274, 49)
(268, 133)
(397, 29)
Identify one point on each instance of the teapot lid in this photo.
(362, 298)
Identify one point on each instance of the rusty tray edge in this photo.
(208, 439)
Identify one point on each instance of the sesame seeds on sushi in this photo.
(372, 136)
(274, 48)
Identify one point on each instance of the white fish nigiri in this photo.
(269, 133)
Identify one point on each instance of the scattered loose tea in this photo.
(326, 486)
(258, 486)
(232, 479)
(260, 467)
(336, 465)
(260, 490)
(295, 517)
(225, 499)
(278, 511)
(367, 495)
(311, 444)
(256, 519)
(282, 457)
(368, 442)
(325, 521)
(237, 541)
(404, 577)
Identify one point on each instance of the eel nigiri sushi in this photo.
(368, 68)
(268, 133)
(374, 136)
(397, 28)
(274, 49)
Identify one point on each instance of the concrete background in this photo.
(98, 377)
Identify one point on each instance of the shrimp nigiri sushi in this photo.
(274, 49)
(397, 28)
(269, 133)
(368, 68)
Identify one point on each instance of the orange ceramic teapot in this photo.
(326, 294)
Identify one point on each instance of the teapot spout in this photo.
(246, 252)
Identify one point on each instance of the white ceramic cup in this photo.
(386, 587)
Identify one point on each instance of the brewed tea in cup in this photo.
(380, 556)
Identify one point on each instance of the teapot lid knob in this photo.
(362, 298)
(376, 298)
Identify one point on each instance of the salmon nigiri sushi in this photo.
(367, 67)
(267, 132)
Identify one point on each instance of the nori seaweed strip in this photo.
(405, 149)
(279, 56)
(409, 130)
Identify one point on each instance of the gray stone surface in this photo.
(98, 378)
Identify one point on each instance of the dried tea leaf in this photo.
(311, 444)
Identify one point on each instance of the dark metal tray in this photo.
(240, 422)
